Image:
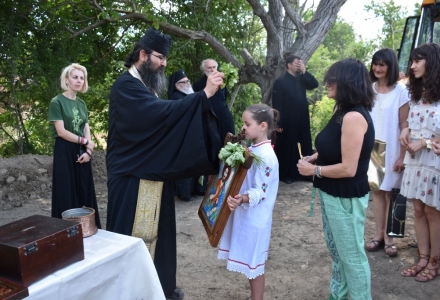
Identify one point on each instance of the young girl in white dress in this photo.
(422, 166)
(246, 237)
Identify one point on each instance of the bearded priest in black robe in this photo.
(289, 98)
(152, 142)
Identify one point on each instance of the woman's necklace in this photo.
(383, 89)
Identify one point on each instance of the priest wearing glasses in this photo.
(151, 143)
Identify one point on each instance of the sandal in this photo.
(416, 269)
(391, 250)
(376, 245)
(428, 273)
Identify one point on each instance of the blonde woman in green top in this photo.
(72, 183)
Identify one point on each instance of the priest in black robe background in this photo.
(156, 140)
(289, 98)
(219, 106)
(178, 87)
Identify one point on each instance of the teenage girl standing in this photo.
(422, 165)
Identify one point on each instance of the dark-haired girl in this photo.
(422, 166)
(343, 154)
(246, 237)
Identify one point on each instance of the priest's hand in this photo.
(215, 80)
(300, 66)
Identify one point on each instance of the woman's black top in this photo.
(328, 145)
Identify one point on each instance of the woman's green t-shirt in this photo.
(72, 112)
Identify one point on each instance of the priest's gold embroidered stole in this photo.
(146, 221)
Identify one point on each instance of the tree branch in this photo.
(215, 44)
(265, 19)
(10, 136)
(293, 16)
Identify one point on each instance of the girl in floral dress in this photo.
(422, 166)
(246, 237)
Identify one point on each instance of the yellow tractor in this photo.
(418, 30)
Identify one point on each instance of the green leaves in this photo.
(232, 154)
(231, 75)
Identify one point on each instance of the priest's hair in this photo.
(202, 65)
(133, 57)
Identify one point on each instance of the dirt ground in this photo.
(298, 267)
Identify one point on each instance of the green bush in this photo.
(320, 113)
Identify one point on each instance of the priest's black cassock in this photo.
(219, 106)
(224, 116)
(183, 187)
(289, 98)
(157, 140)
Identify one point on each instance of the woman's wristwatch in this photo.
(428, 143)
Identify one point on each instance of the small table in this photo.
(116, 266)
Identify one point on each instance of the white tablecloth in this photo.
(115, 267)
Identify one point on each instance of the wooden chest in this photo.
(10, 290)
(34, 247)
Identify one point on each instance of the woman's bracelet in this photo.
(90, 155)
(83, 141)
(318, 171)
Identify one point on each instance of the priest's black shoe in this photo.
(177, 294)
(191, 198)
(287, 180)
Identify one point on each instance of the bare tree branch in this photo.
(265, 19)
(293, 16)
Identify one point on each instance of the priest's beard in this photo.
(187, 90)
(154, 79)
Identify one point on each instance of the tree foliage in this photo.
(341, 42)
(393, 16)
(39, 38)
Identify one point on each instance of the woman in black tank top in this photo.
(340, 168)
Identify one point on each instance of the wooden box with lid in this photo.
(37, 246)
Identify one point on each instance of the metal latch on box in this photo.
(72, 231)
(31, 248)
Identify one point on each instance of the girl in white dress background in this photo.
(422, 166)
(390, 116)
(246, 237)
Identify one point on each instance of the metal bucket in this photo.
(84, 215)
